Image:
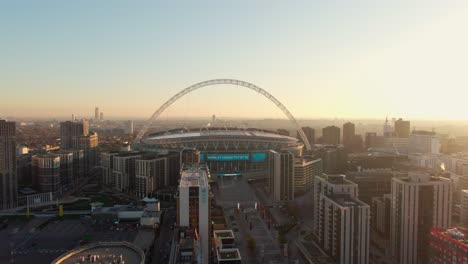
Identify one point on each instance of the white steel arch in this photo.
(223, 81)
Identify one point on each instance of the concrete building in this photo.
(71, 132)
(342, 222)
(193, 205)
(46, 173)
(464, 208)
(380, 215)
(123, 171)
(402, 128)
(107, 164)
(8, 177)
(424, 142)
(331, 135)
(419, 202)
(23, 169)
(373, 182)
(225, 246)
(349, 131)
(66, 169)
(448, 245)
(281, 172)
(151, 175)
(305, 170)
(310, 135)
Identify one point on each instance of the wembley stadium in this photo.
(226, 149)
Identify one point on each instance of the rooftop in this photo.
(228, 254)
(104, 252)
(194, 176)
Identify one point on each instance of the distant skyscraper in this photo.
(8, 177)
(310, 135)
(96, 114)
(213, 119)
(342, 221)
(419, 203)
(348, 134)
(387, 129)
(101, 116)
(129, 127)
(402, 128)
(331, 135)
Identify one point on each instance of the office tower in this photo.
(464, 208)
(123, 171)
(213, 119)
(419, 203)
(388, 129)
(402, 128)
(424, 142)
(66, 169)
(380, 214)
(305, 170)
(8, 177)
(281, 180)
(150, 175)
(348, 134)
(71, 132)
(129, 127)
(193, 205)
(46, 172)
(310, 135)
(101, 116)
(341, 221)
(96, 114)
(283, 132)
(331, 135)
(448, 245)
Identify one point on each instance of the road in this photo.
(162, 243)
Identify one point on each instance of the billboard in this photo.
(254, 157)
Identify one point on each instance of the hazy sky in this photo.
(348, 59)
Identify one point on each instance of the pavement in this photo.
(162, 244)
(232, 191)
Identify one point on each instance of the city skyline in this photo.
(322, 60)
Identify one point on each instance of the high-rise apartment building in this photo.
(402, 128)
(46, 172)
(8, 177)
(309, 133)
(193, 205)
(281, 171)
(123, 171)
(380, 214)
(305, 170)
(349, 131)
(419, 203)
(151, 174)
(331, 135)
(66, 169)
(71, 132)
(464, 208)
(342, 221)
